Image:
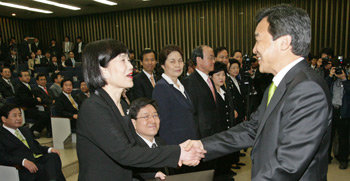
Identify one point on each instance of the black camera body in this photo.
(338, 70)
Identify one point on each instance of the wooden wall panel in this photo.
(216, 23)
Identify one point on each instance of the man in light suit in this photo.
(67, 46)
(290, 131)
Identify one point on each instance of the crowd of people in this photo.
(163, 95)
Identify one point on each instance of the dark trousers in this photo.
(41, 119)
(49, 168)
(343, 129)
(335, 121)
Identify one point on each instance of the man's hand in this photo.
(75, 116)
(53, 150)
(341, 76)
(39, 99)
(236, 114)
(191, 153)
(160, 175)
(332, 72)
(30, 166)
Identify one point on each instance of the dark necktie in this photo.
(154, 145)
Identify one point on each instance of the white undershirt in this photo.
(181, 88)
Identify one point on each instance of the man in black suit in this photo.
(290, 131)
(78, 48)
(145, 81)
(44, 62)
(36, 45)
(46, 99)
(25, 48)
(7, 86)
(202, 92)
(84, 94)
(18, 148)
(70, 62)
(66, 105)
(54, 66)
(145, 121)
(13, 60)
(31, 104)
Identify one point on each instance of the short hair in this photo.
(2, 69)
(53, 39)
(147, 51)
(235, 51)
(20, 72)
(131, 51)
(140, 103)
(218, 67)
(197, 52)
(288, 20)
(218, 50)
(40, 75)
(328, 51)
(189, 63)
(163, 55)
(79, 37)
(67, 37)
(66, 80)
(98, 54)
(7, 108)
(55, 76)
(233, 61)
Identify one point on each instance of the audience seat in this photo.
(9, 173)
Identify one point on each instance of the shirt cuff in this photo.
(23, 161)
(49, 150)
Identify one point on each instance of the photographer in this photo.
(340, 92)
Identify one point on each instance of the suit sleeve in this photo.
(25, 100)
(304, 123)
(98, 124)
(137, 90)
(60, 108)
(7, 159)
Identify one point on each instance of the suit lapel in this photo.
(147, 81)
(178, 95)
(13, 138)
(276, 98)
(203, 84)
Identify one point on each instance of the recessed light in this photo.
(13, 14)
(58, 4)
(146, 0)
(110, 3)
(25, 8)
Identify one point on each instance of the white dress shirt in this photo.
(147, 141)
(204, 76)
(236, 83)
(222, 93)
(181, 88)
(149, 76)
(279, 76)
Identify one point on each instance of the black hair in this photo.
(67, 37)
(147, 51)
(5, 67)
(328, 51)
(163, 55)
(66, 80)
(218, 66)
(197, 52)
(79, 37)
(140, 103)
(40, 75)
(98, 54)
(7, 108)
(131, 51)
(235, 51)
(218, 50)
(233, 61)
(54, 76)
(288, 20)
(20, 72)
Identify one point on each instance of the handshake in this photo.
(192, 152)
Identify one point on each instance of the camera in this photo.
(338, 65)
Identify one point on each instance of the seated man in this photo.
(144, 117)
(56, 89)
(65, 105)
(19, 148)
(83, 94)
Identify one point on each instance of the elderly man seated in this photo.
(145, 120)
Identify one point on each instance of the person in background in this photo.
(237, 54)
(56, 89)
(83, 94)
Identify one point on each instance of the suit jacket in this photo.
(69, 62)
(205, 113)
(54, 67)
(13, 150)
(345, 108)
(44, 62)
(80, 98)
(238, 97)
(290, 137)
(176, 114)
(5, 88)
(76, 47)
(106, 146)
(64, 108)
(142, 86)
(147, 173)
(25, 96)
(46, 99)
(37, 47)
(70, 47)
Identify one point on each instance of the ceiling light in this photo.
(146, 0)
(58, 4)
(25, 8)
(13, 14)
(107, 2)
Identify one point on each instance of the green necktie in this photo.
(271, 91)
(24, 141)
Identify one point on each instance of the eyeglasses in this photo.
(154, 116)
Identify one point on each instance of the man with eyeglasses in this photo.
(144, 116)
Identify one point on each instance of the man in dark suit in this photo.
(7, 86)
(202, 92)
(145, 81)
(31, 104)
(70, 62)
(78, 48)
(36, 45)
(84, 94)
(145, 121)
(66, 105)
(25, 48)
(54, 66)
(290, 131)
(18, 148)
(46, 99)
(44, 62)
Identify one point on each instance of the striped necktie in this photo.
(72, 101)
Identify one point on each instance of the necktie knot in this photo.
(154, 145)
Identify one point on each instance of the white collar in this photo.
(168, 79)
(203, 75)
(12, 131)
(26, 84)
(147, 141)
(67, 95)
(147, 74)
(6, 80)
(279, 76)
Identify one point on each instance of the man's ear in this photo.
(133, 122)
(104, 72)
(285, 42)
(3, 119)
